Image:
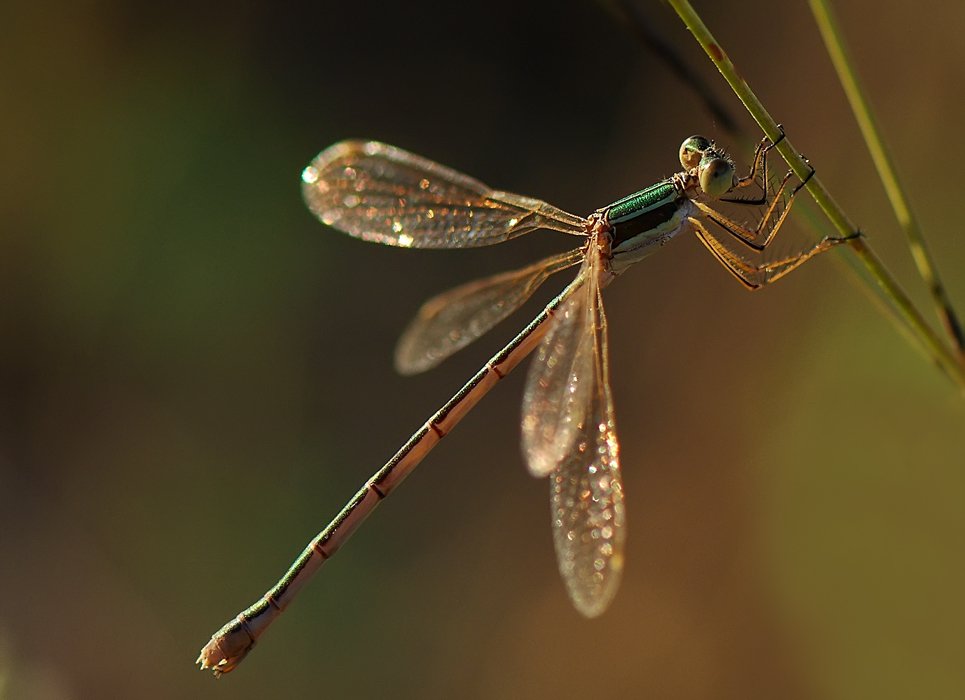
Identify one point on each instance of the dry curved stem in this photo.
(904, 313)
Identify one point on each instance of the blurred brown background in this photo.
(196, 374)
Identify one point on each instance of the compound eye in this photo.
(692, 150)
(716, 176)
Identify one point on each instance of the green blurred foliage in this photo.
(194, 374)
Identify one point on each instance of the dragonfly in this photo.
(383, 194)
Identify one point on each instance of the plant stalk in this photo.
(834, 41)
(904, 311)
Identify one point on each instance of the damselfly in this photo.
(386, 195)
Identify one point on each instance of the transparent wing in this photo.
(560, 379)
(571, 373)
(589, 523)
(452, 320)
(383, 194)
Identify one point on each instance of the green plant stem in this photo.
(831, 33)
(904, 312)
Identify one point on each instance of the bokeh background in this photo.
(196, 374)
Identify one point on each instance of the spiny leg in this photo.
(754, 276)
(759, 162)
(749, 237)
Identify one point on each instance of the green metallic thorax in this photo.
(641, 202)
(645, 220)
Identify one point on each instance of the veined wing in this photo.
(450, 321)
(578, 442)
(386, 195)
(560, 380)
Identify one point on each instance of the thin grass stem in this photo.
(834, 41)
(627, 14)
(912, 324)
